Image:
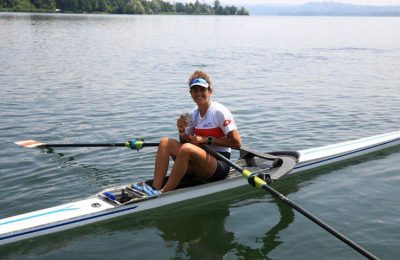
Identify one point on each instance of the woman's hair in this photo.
(200, 74)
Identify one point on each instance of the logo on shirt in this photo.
(227, 122)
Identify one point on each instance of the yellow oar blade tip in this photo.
(29, 143)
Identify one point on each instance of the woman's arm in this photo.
(232, 140)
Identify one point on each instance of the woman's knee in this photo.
(187, 150)
(170, 145)
(164, 141)
(167, 142)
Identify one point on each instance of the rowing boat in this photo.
(122, 200)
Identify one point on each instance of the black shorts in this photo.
(222, 168)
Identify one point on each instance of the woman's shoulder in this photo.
(194, 110)
(219, 107)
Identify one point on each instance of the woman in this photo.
(211, 123)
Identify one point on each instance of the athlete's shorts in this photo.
(222, 170)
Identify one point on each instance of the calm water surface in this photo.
(292, 83)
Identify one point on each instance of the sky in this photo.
(294, 2)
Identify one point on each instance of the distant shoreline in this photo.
(121, 7)
(324, 9)
(329, 9)
(181, 14)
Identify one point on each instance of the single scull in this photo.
(125, 199)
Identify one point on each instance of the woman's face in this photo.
(200, 95)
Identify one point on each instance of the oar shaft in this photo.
(97, 145)
(85, 145)
(133, 144)
(261, 183)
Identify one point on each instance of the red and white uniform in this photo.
(217, 122)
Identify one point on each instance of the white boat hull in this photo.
(97, 209)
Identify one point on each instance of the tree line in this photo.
(120, 7)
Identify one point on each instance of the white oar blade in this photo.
(29, 143)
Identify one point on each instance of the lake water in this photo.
(291, 82)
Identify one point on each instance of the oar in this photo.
(259, 183)
(133, 144)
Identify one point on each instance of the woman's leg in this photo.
(193, 160)
(168, 147)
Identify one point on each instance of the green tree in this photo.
(156, 6)
(167, 7)
(196, 7)
(86, 6)
(134, 7)
(103, 6)
(189, 8)
(206, 9)
(25, 5)
(218, 9)
(242, 11)
(179, 7)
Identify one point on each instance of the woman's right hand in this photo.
(181, 124)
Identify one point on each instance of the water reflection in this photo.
(270, 240)
(198, 233)
(200, 230)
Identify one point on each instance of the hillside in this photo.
(323, 9)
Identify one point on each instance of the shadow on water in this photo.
(195, 228)
(70, 160)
